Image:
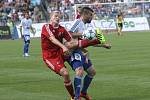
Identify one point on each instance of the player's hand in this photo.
(66, 52)
(68, 45)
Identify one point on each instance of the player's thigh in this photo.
(55, 64)
(76, 60)
(87, 63)
(79, 71)
(121, 25)
(64, 72)
(89, 68)
(26, 38)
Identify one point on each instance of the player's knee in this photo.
(27, 42)
(79, 71)
(92, 72)
(66, 73)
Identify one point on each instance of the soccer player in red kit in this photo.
(53, 49)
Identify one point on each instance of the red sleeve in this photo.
(67, 35)
(46, 30)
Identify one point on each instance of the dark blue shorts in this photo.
(26, 38)
(77, 59)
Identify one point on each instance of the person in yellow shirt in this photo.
(119, 23)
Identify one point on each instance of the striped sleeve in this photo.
(75, 26)
(46, 31)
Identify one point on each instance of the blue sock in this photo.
(26, 47)
(86, 83)
(77, 86)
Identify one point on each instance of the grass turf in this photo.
(122, 72)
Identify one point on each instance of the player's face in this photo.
(26, 15)
(55, 18)
(88, 17)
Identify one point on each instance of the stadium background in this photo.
(136, 14)
(122, 72)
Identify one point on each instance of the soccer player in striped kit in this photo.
(79, 61)
(25, 27)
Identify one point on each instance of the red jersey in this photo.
(49, 49)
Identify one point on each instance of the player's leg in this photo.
(119, 29)
(67, 82)
(121, 26)
(78, 81)
(87, 79)
(81, 43)
(76, 62)
(85, 43)
(26, 45)
(61, 70)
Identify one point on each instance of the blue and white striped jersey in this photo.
(78, 26)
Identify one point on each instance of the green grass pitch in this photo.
(123, 72)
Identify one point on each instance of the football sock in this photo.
(86, 83)
(77, 85)
(85, 43)
(68, 85)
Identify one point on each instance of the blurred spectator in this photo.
(38, 9)
(11, 26)
(78, 12)
(36, 15)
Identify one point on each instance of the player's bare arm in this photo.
(56, 42)
(33, 31)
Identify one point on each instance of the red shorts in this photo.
(55, 64)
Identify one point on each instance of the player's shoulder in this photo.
(46, 25)
(23, 19)
(30, 20)
(77, 21)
